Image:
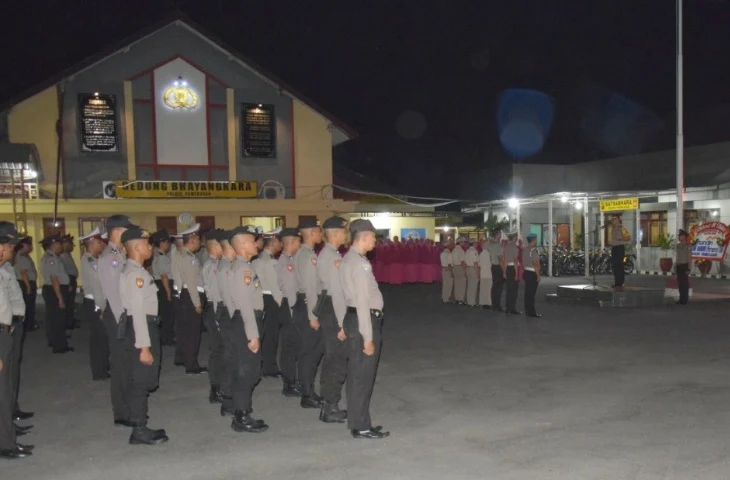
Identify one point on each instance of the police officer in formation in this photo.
(94, 304)
(458, 257)
(331, 315)
(305, 319)
(531, 264)
(55, 294)
(363, 329)
(109, 269)
(216, 357)
(684, 255)
(139, 335)
(186, 273)
(67, 247)
(225, 310)
(511, 258)
(12, 311)
(27, 275)
(447, 273)
(162, 273)
(472, 274)
(265, 266)
(498, 266)
(290, 338)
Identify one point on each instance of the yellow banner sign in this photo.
(619, 204)
(161, 189)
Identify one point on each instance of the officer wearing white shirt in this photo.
(472, 275)
(447, 273)
(93, 305)
(459, 257)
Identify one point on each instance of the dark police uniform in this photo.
(290, 337)
(264, 264)
(510, 254)
(109, 268)
(55, 316)
(529, 256)
(496, 254)
(331, 318)
(161, 267)
(91, 308)
(140, 329)
(684, 255)
(216, 352)
(225, 307)
(17, 305)
(618, 252)
(246, 325)
(73, 273)
(363, 323)
(23, 263)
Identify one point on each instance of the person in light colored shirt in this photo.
(485, 278)
(447, 273)
(458, 255)
(472, 275)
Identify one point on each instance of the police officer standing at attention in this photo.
(459, 258)
(246, 325)
(511, 258)
(213, 296)
(94, 303)
(331, 314)
(67, 246)
(265, 266)
(447, 273)
(55, 294)
(291, 339)
(684, 254)
(305, 320)
(363, 328)
(531, 264)
(9, 448)
(472, 275)
(28, 277)
(187, 276)
(162, 273)
(619, 239)
(499, 268)
(109, 268)
(225, 309)
(141, 340)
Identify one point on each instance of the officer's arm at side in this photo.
(362, 302)
(134, 296)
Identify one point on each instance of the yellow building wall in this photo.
(396, 223)
(34, 121)
(312, 153)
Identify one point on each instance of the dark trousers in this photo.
(119, 367)
(55, 319)
(512, 287)
(16, 358)
(683, 282)
(248, 364)
(216, 355)
(311, 347)
(142, 378)
(177, 313)
(530, 292)
(291, 344)
(7, 402)
(618, 253)
(70, 291)
(497, 284)
(29, 299)
(270, 342)
(98, 341)
(229, 358)
(361, 371)
(166, 313)
(334, 362)
(188, 337)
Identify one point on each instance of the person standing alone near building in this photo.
(619, 239)
(684, 254)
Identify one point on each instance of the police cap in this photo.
(118, 221)
(135, 233)
(361, 225)
(160, 236)
(335, 223)
(289, 232)
(50, 239)
(9, 234)
(245, 230)
(308, 223)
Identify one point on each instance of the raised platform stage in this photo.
(604, 296)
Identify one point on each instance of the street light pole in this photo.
(680, 120)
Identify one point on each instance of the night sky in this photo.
(420, 79)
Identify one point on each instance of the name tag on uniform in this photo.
(247, 277)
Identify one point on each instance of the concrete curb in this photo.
(694, 275)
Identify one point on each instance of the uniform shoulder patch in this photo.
(140, 282)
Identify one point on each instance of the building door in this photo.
(167, 223)
(207, 223)
(268, 224)
(50, 227)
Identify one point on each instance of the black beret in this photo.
(218, 234)
(118, 221)
(67, 238)
(135, 233)
(308, 223)
(334, 222)
(361, 225)
(54, 238)
(161, 236)
(289, 232)
(245, 230)
(9, 234)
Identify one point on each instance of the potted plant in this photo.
(665, 244)
(704, 266)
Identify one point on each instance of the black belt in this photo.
(17, 319)
(373, 312)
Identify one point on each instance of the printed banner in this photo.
(157, 189)
(709, 241)
(619, 204)
(412, 233)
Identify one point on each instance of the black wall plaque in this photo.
(98, 117)
(259, 130)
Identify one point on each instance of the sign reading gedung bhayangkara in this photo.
(619, 204)
(160, 189)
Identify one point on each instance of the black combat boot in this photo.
(215, 395)
(331, 413)
(242, 422)
(142, 435)
(311, 399)
(291, 390)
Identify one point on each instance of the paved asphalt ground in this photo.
(581, 393)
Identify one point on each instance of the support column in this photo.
(232, 132)
(550, 238)
(586, 242)
(571, 219)
(603, 226)
(637, 240)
